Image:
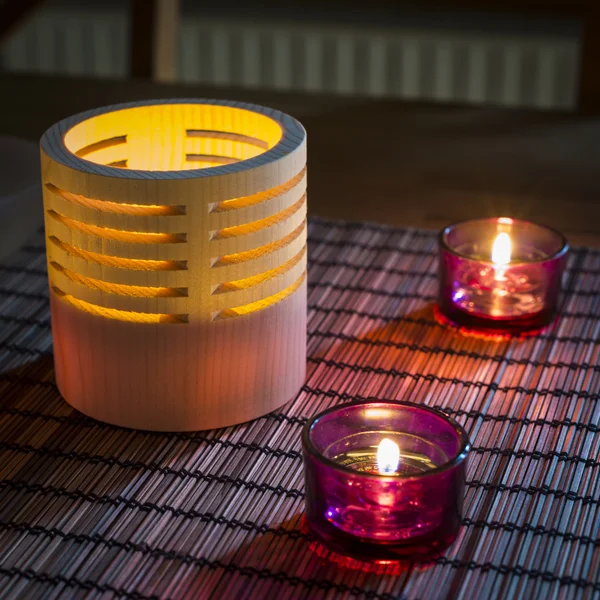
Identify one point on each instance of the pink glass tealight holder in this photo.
(384, 480)
(500, 275)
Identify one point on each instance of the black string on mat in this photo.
(91, 510)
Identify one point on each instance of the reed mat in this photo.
(89, 510)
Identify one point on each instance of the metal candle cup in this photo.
(500, 275)
(406, 505)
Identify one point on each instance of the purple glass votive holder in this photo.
(518, 296)
(412, 513)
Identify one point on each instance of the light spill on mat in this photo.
(91, 510)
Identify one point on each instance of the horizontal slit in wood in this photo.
(108, 143)
(248, 282)
(215, 159)
(120, 315)
(260, 304)
(132, 264)
(121, 164)
(119, 289)
(253, 226)
(270, 194)
(120, 235)
(239, 257)
(225, 135)
(143, 210)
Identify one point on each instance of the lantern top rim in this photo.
(293, 138)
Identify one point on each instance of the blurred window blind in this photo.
(413, 61)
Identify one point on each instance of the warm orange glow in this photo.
(388, 457)
(121, 164)
(145, 210)
(135, 253)
(136, 237)
(212, 159)
(260, 304)
(120, 315)
(134, 134)
(120, 289)
(501, 254)
(244, 201)
(107, 155)
(224, 135)
(101, 145)
(134, 264)
(234, 146)
(501, 250)
(254, 226)
(486, 336)
(248, 282)
(376, 567)
(232, 259)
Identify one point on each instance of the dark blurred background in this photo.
(418, 113)
(496, 52)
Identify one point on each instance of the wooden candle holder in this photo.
(176, 243)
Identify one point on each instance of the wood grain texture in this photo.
(178, 294)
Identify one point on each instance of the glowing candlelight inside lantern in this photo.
(176, 242)
(388, 457)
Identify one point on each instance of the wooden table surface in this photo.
(393, 162)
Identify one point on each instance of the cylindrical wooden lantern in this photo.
(176, 241)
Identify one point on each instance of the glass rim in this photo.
(564, 247)
(459, 457)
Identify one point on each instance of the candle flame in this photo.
(388, 457)
(501, 250)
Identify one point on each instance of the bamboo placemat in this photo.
(91, 510)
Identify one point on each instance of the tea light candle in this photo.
(384, 479)
(500, 275)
